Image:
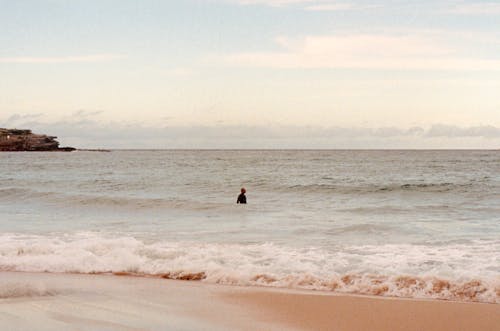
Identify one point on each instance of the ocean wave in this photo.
(405, 286)
(361, 228)
(66, 200)
(462, 272)
(22, 290)
(374, 188)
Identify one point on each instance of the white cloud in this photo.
(310, 5)
(62, 59)
(273, 3)
(181, 72)
(341, 6)
(365, 51)
(452, 131)
(478, 8)
(82, 113)
(82, 131)
(331, 7)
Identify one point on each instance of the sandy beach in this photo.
(44, 301)
(319, 311)
(249, 165)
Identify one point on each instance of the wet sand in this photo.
(33, 301)
(319, 311)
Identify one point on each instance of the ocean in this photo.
(417, 224)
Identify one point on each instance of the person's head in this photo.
(243, 190)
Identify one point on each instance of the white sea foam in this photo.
(20, 290)
(452, 271)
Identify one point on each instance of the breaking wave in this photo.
(462, 272)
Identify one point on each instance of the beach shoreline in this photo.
(68, 301)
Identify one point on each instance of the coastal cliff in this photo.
(14, 140)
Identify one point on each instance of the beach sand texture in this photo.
(43, 301)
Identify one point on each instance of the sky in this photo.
(253, 73)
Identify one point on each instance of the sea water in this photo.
(423, 224)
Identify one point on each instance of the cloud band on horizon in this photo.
(63, 59)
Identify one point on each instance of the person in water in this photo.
(242, 198)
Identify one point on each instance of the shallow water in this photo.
(399, 223)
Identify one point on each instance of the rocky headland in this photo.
(15, 140)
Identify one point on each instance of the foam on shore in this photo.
(99, 302)
(460, 272)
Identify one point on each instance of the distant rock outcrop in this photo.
(13, 140)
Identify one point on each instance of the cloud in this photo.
(62, 59)
(85, 132)
(23, 117)
(82, 113)
(310, 5)
(451, 131)
(182, 72)
(478, 8)
(343, 6)
(272, 3)
(363, 51)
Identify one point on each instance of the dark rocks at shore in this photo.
(14, 140)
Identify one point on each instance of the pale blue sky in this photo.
(231, 65)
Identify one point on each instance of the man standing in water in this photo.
(242, 198)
